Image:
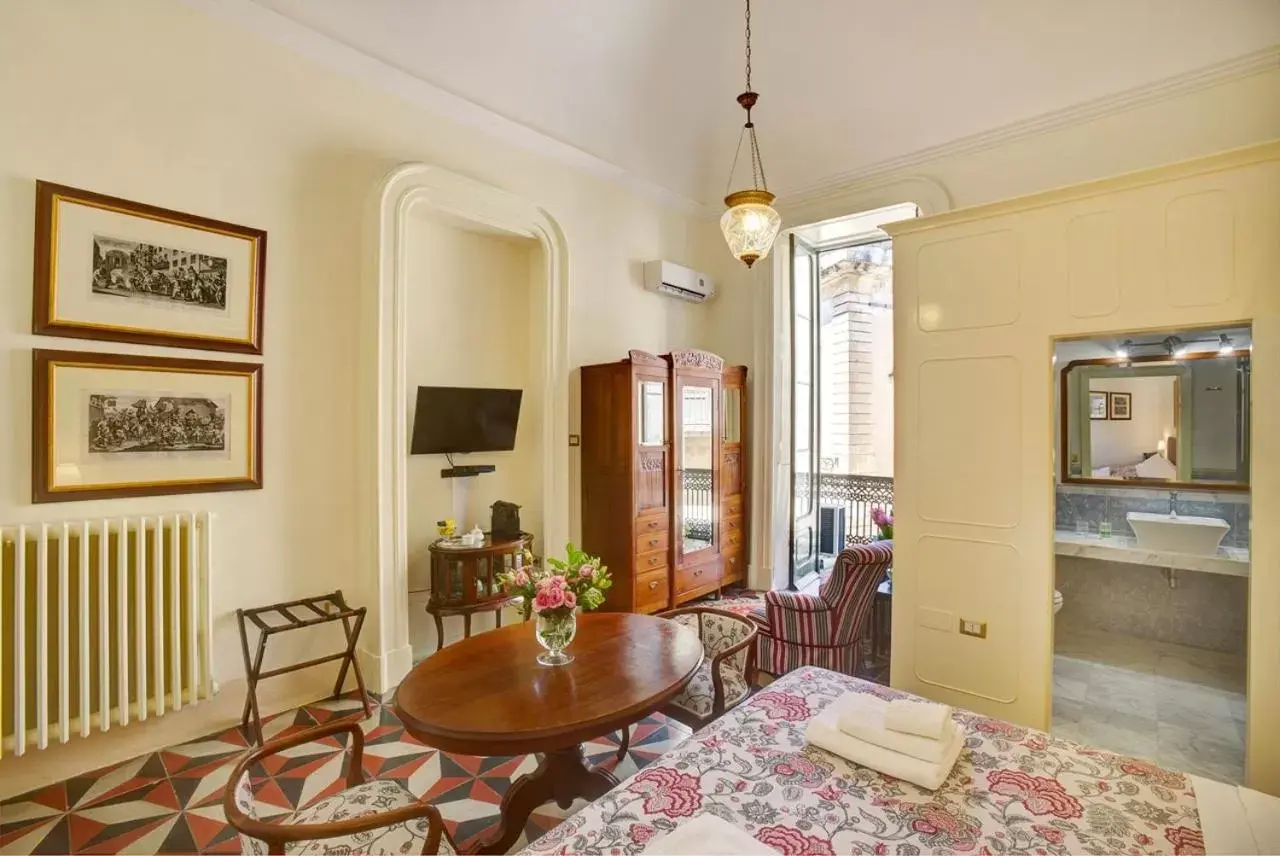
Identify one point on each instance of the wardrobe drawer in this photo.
(698, 577)
(651, 561)
(651, 523)
(651, 542)
(652, 591)
(734, 569)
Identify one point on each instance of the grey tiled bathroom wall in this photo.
(1201, 610)
(1081, 503)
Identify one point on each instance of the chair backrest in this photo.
(850, 588)
(719, 631)
(247, 804)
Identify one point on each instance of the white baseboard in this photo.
(384, 673)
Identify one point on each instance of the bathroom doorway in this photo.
(1152, 522)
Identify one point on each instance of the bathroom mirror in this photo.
(653, 413)
(1157, 414)
(697, 508)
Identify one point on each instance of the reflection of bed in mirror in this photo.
(1159, 464)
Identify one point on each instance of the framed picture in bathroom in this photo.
(1097, 405)
(1120, 406)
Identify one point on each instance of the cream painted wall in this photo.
(749, 323)
(981, 294)
(193, 114)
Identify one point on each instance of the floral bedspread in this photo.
(1014, 789)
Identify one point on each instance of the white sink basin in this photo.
(1199, 536)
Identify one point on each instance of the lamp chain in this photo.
(748, 46)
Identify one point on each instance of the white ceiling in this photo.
(648, 85)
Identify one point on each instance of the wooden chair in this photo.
(368, 817)
(725, 677)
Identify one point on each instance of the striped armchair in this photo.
(824, 629)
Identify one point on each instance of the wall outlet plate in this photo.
(977, 629)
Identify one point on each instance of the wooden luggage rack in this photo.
(312, 611)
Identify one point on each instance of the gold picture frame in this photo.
(111, 269)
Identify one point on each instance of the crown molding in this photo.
(1234, 159)
(1258, 62)
(335, 55)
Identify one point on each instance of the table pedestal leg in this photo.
(562, 776)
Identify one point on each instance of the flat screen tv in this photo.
(451, 419)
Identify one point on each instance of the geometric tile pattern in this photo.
(171, 801)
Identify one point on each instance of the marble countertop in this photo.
(1232, 561)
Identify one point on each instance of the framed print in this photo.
(115, 270)
(1120, 405)
(114, 425)
(1097, 405)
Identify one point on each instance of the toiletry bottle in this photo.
(1104, 529)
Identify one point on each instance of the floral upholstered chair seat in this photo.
(724, 679)
(368, 817)
(698, 696)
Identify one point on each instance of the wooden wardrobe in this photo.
(664, 476)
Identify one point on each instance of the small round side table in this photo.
(464, 580)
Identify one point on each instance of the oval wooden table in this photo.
(487, 695)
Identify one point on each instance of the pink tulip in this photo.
(570, 599)
(587, 571)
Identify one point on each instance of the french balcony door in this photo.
(805, 472)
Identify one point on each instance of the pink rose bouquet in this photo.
(578, 581)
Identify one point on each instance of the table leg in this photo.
(562, 776)
(439, 630)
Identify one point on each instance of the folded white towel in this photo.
(863, 716)
(824, 732)
(917, 717)
(708, 835)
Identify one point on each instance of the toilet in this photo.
(1057, 601)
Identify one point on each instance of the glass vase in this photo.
(555, 631)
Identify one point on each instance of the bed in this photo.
(1013, 789)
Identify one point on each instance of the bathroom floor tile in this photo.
(1119, 732)
(1182, 707)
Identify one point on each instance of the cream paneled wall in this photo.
(981, 295)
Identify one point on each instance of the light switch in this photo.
(575, 440)
(973, 628)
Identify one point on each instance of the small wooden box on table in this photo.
(294, 615)
(464, 580)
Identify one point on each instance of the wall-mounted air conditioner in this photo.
(678, 281)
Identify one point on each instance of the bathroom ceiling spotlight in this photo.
(1225, 345)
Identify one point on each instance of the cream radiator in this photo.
(102, 621)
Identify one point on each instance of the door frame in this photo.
(383, 517)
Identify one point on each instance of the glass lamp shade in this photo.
(750, 225)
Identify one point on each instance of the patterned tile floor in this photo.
(171, 801)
